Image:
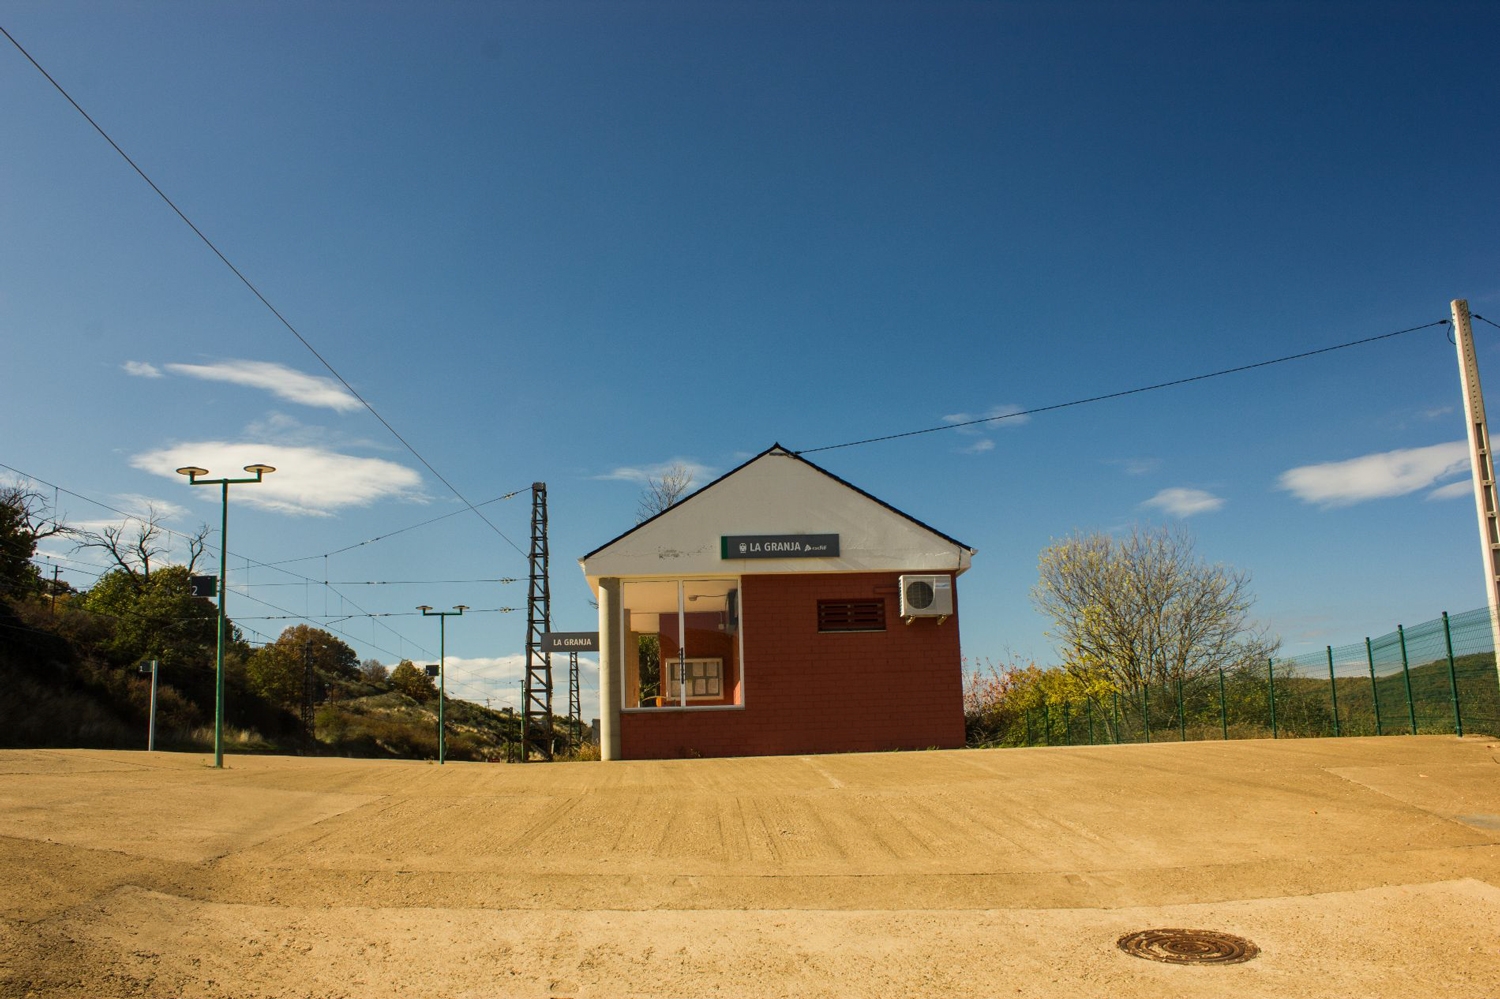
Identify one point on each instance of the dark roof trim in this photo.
(778, 449)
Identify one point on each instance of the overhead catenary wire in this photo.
(256, 292)
(306, 579)
(1126, 392)
(391, 534)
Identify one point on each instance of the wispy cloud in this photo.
(1135, 466)
(308, 481)
(1453, 490)
(278, 379)
(995, 417)
(141, 369)
(702, 474)
(1377, 476)
(1181, 502)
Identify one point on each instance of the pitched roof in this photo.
(728, 517)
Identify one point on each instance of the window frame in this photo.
(737, 583)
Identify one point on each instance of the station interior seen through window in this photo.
(682, 643)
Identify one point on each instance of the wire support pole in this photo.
(1411, 707)
(1482, 464)
(1333, 689)
(575, 702)
(442, 616)
(536, 700)
(1458, 715)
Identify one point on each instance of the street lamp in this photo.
(193, 473)
(442, 616)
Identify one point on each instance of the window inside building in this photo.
(682, 644)
(851, 615)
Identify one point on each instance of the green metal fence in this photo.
(1437, 677)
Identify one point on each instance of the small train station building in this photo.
(778, 610)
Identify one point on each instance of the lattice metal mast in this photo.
(309, 692)
(575, 703)
(536, 699)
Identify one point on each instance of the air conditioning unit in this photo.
(926, 596)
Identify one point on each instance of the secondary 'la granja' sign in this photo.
(779, 546)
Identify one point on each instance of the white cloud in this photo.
(308, 481)
(140, 505)
(970, 428)
(1135, 466)
(1181, 502)
(500, 677)
(702, 474)
(1005, 415)
(278, 379)
(1453, 490)
(1376, 476)
(141, 369)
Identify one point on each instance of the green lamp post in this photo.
(442, 616)
(194, 475)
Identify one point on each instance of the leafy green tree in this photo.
(277, 671)
(413, 682)
(156, 617)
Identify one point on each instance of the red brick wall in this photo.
(812, 692)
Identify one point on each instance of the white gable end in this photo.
(776, 494)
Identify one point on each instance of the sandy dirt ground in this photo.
(1359, 867)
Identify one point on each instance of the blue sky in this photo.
(574, 242)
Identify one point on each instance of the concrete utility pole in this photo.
(1483, 465)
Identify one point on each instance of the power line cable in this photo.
(1125, 392)
(1484, 320)
(256, 292)
(391, 534)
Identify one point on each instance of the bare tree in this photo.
(664, 490)
(1145, 609)
(134, 545)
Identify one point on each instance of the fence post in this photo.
(1067, 726)
(1046, 724)
(1088, 706)
(1223, 717)
(1115, 696)
(1271, 692)
(1181, 715)
(1458, 718)
(1411, 707)
(1333, 685)
(1146, 708)
(1028, 726)
(1374, 690)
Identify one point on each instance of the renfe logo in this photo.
(779, 546)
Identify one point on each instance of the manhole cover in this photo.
(1188, 946)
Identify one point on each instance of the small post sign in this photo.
(570, 641)
(204, 586)
(736, 546)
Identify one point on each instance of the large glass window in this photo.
(682, 643)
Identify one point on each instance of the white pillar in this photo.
(1483, 464)
(611, 659)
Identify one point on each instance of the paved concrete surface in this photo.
(1360, 867)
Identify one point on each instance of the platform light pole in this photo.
(442, 616)
(194, 475)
